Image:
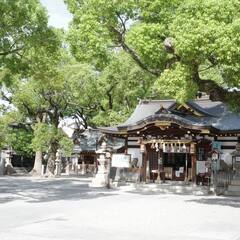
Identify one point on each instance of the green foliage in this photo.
(14, 134)
(20, 140)
(91, 32)
(177, 82)
(110, 117)
(24, 33)
(164, 38)
(100, 97)
(120, 86)
(65, 144)
(44, 134)
(146, 39)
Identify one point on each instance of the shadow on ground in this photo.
(31, 189)
(222, 201)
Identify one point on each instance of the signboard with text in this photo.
(120, 160)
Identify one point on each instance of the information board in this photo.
(120, 160)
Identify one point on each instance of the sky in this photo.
(58, 14)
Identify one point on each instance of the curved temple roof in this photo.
(200, 113)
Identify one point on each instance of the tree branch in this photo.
(215, 92)
(133, 54)
(6, 98)
(16, 50)
(123, 22)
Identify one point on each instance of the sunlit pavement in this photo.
(66, 208)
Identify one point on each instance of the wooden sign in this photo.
(120, 160)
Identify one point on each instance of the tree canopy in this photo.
(186, 45)
(24, 37)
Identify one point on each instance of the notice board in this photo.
(121, 160)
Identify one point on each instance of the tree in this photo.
(47, 97)
(30, 54)
(100, 96)
(186, 45)
(115, 103)
(23, 31)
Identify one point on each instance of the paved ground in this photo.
(67, 209)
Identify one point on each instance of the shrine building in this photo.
(179, 142)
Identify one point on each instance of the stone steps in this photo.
(20, 171)
(166, 188)
(232, 193)
(235, 182)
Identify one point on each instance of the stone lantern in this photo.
(8, 157)
(8, 162)
(58, 162)
(101, 179)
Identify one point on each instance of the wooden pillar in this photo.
(193, 159)
(147, 168)
(144, 157)
(186, 167)
(126, 145)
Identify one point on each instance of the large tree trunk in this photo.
(37, 169)
(52, 157)
(54, 144)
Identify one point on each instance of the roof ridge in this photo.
(142, 101)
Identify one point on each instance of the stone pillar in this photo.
(58, 163)
(43, 170)
(148, 171)
(83, 168)
(101, 178)
(67, 168)
(75, 164)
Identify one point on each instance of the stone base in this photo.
(100, 180)
(9, 170)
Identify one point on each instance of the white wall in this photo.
(227, 142)
(135, 153)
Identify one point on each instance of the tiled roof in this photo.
(147, 108)
(211, 114)
(90, 139)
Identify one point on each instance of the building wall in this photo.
(134, 149)
(135, 153)
(228, 145)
